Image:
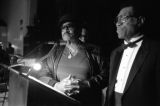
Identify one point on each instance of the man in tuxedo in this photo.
(134, 78)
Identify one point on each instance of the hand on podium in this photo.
(71, 85)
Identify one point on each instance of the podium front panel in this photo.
(28, 91)
(18, 90)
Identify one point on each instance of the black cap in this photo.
(69, 18)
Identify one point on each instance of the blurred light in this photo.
(37, 66)
(32, 63)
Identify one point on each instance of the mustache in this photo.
(67, 33)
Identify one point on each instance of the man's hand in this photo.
(67, 85)
(80, 86)
(71, 85)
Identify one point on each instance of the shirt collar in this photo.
(134, 39)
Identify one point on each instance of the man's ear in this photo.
(141, 20)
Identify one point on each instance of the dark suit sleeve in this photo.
(100, 70)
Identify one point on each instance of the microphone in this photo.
(11, 68)
(8, 68)
(15, 65)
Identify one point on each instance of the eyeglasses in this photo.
(68, 26)
(122, 19)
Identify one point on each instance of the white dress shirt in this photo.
(127, 60)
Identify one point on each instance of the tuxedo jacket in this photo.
(143, 84)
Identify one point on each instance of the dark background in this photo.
(98, 14)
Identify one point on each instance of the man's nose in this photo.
(118, 23)
(66, 30)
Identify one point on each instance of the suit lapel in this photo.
(140, 58)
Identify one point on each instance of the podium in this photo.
(28, 91)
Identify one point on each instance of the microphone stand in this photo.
(11, 68)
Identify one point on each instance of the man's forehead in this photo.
(67, 23)
(127, 11)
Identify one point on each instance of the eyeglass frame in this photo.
(123, 19)
(68, 26)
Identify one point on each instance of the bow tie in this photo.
(131, 44)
